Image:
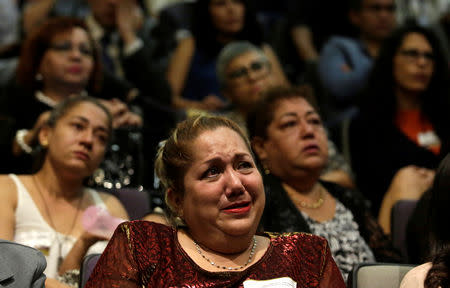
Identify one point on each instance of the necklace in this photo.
(47, 211)
(250, 257)
(315, 205)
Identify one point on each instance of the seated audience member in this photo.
(9, 35)
(21, 266)
(192, 68)
(44, 210)
(116, 27)
(207, 162)
(244, 73)
(345, 63)
(289, 139)
(435, 273)
(308, 31)
(403, 117)
(58, 59)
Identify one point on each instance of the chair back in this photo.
(400, 214)
(375, 275)
(135, 201)
(87, 267)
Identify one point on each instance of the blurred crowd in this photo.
(373, 76)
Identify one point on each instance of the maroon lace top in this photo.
(147, 254)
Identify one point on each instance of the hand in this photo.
(115, 107)
(212, 103)
(129, 19)
(410, 182)
(128, 119)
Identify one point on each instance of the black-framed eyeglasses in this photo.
(255, 67)
(66, 47)
(378, 8)
(415, 54)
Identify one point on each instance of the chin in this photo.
(240, 227)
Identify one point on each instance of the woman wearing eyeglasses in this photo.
(404, 119)
(191, 71)
(58, 59)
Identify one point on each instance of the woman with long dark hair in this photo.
(436, 273)
(404, 117)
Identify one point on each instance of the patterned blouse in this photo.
(342, 232)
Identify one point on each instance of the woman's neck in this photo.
(221, 243)
(303, 182)
(59, 185)
(60, 93)
(311, 190)
(407, 100)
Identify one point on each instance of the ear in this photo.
(44, 135)
(354, 18)
(258, 146)
(175, 201)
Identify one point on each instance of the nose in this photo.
(87, 139)
(234, 186)
(306, 130)
(423, 61)
(75, 53)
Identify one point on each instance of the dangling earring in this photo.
(44, 143)
(39, 77)
(266, 169)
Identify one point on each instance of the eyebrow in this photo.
(237, 156)
(308, 113)
(85, 120)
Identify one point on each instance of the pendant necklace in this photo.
(250, 257)
(47, 211)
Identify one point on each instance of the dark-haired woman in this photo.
(58, 59)
(436, 273)
(404, 117)
(290, 141)
(192, 69)
(44, 210)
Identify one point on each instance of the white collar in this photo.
(49, 101)
(45, 99)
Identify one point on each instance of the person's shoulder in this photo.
(342, 42)
(416, 276)
(144, 229)
(300, 239)
(7, 184)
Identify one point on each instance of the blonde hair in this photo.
(175, 156)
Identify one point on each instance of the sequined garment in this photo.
(147, 254)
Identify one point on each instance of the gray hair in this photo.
(229, 53)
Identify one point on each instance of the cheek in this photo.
(217, 17)
(89, 65)
(400, 71)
